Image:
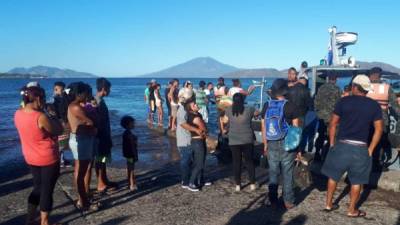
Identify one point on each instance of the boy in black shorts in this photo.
(129, 149)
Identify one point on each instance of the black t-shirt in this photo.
(300, 96)
(61, 107)
(129, 145)
(152, 94)
(289, 110)
(357, 115)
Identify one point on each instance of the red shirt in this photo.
(38, 147)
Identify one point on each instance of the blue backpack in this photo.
(275, 124)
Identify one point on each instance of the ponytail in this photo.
(29, 94)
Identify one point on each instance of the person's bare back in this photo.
(77, 117)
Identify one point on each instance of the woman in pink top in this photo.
(38, 134)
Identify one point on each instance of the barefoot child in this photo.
(129, 148)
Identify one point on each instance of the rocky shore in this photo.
(161, 200)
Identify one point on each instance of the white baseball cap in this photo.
(33, 84)
(364, 81)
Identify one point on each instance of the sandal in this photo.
(91, 207)
(357, 215)
(333, 208)
(110, 187)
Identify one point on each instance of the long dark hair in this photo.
(238, 104)
(78, 89)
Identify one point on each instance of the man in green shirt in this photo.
(201, 100)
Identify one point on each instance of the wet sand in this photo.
(161, 200)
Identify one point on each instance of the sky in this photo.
(128, 38)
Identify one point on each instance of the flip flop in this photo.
(334, 207)
(357, 215)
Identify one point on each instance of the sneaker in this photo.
(193, 188)
(207, 183)
(184, 186)
(237, 188)
(252, 187)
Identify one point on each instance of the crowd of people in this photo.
(76, 120)
(349, 124)
(353, 118)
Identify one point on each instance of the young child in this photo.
(129, 149)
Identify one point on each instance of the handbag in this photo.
(293, 138)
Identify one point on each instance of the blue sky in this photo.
(120, 38)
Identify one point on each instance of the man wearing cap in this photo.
(349, 151)
(183, 138)
(219, 90)
(324, 104)
(384, 95)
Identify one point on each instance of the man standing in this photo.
(219, 90)
(298, 95)
(202, 100)
(292, 76)
(168, 103)
(146, 100)
(152, 101)
(351, 153)
(280, 161)
(104, 140)
(384, 95)
(60, 105)
(324, 104)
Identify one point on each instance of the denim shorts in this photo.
(348, 158)
(82, 146)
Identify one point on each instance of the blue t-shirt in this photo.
(357, 115)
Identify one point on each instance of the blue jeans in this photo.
(280, 162)
(199, 154)
(186, 162)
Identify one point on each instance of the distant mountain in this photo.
(50, 72)
(20, 76)
(384, 66)
(262, 72)
(197, 67)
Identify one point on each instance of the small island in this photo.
(42, 72)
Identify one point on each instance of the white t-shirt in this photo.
(233, 90)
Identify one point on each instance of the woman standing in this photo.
(198, 144)
(241, 138)
(173, 100)
(81, 142)
(38, 134)
(159, 103)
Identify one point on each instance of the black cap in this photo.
(377, 70)
(202, 83)
(279, 87)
